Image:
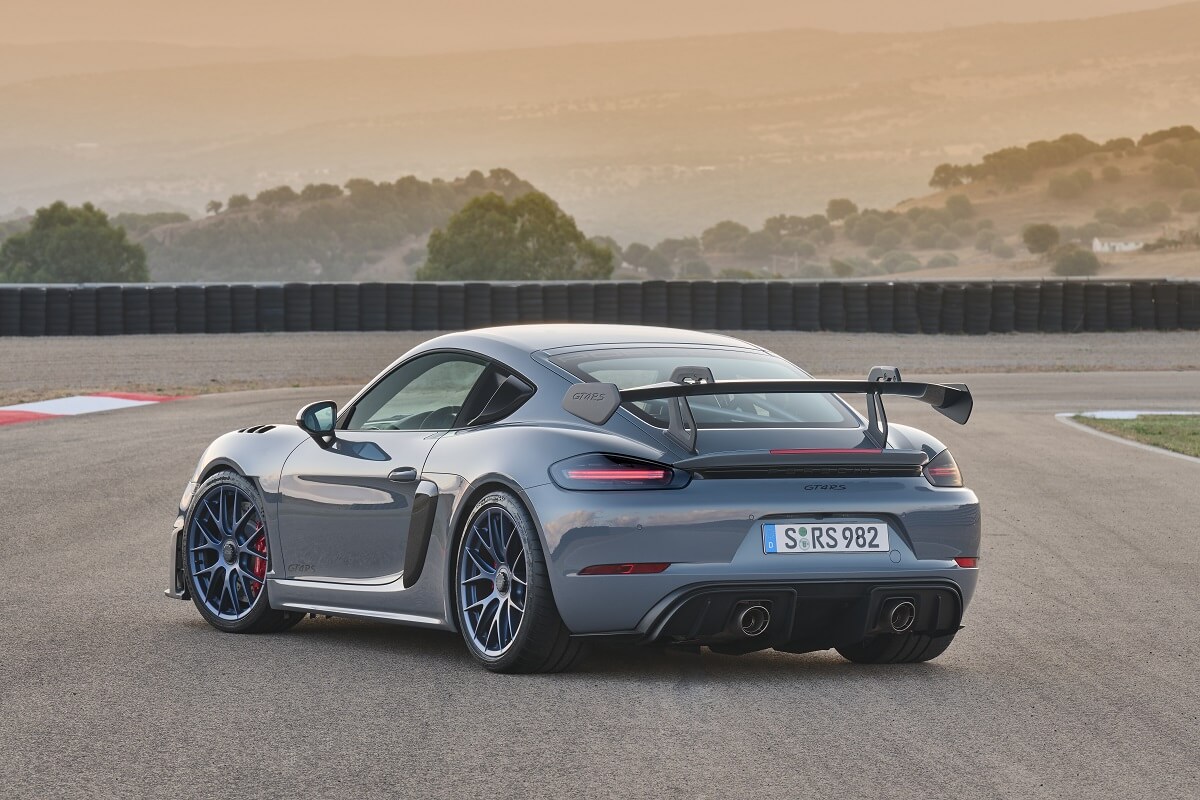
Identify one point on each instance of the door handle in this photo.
(403, 475)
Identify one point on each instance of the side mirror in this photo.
(318, 420)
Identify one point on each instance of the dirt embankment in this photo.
(38, 368)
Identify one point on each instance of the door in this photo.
(345, 506)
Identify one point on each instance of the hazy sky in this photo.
(405, 26)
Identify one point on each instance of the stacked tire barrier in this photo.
(973, 308)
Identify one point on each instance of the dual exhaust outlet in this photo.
(899, 614)
(752, 618)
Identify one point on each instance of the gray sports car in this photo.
(536, 487)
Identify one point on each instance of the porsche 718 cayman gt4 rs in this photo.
(534, 487)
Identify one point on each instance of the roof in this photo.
(531, 338)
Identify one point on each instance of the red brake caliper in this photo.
(260, 564)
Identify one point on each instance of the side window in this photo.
(426, 394)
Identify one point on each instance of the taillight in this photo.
(942, 471)
(968, 562)
(599, 472)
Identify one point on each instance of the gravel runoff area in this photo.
(39, 368)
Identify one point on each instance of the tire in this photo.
(208, 535)
(896, 648)
(539, 641)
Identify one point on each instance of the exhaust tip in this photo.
(901, 615)
(753, 620)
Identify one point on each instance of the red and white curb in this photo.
(78, 404)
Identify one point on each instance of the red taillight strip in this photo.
(942, 472)
(644, 568)
(827, 451)
(970, 562)
(616, 474)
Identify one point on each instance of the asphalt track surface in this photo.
(1076, 675)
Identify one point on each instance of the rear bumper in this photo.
(803, 616)
(710, 533)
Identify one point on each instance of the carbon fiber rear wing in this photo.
(597, 402)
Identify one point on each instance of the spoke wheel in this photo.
(505, 608)
(227, 552)
(227, 556)
(493, 580)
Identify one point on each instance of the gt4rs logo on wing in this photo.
(827, 487)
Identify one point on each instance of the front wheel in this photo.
(505, 608)
(896, 648)
(227, 558)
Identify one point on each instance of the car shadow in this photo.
(357, 639)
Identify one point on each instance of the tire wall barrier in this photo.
(882, 307)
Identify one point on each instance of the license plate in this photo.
(829, 536)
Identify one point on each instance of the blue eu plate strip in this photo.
(769, 538)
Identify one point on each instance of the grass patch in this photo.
(1177, 432)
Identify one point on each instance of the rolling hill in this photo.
(640, 139)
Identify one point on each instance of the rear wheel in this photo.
(505, 607)
(896, 648)
(227, 558)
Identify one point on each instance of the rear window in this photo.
(640, 366)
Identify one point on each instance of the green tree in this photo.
(863, 229)
(724, 237)
(1111, 174)
(1001, 249)
(72, 245)
(237, 202)
(1133, 217)
(962, 228)
(611, 244)
(924, 240)
(1072, 260)
(695, 268)
(888, 239)
(530, 238)
(320, 191)
(1158, 211)
(279, 196)
(840, 208)
(656, 265)
(758, 245)
(1040, 237)
(946, 176)
(959, 206)
(214, 207)
(942, 260)
(637, 253)
(842, 269)
(1174, 176)
(677, 249)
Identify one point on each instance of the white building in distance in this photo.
(1115, 246)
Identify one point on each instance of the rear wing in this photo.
(597, 402)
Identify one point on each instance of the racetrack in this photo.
(1075, 675)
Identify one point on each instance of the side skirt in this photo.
(359, 613)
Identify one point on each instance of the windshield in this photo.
(640, 366)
